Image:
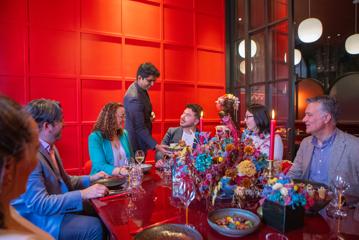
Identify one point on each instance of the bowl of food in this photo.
(319, 193)
(233, 222)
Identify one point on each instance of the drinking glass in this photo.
(187, 192)
(139, 156)
(275, 236)
(340, 186)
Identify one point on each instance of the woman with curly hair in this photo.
(109, 146)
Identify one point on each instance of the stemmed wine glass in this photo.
(187, 192)
(340, 186)
(139, 156)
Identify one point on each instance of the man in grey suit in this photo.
(328, 152)
(186, 131)
(55, 201)
(138, 107)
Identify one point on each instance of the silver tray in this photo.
(169, 232)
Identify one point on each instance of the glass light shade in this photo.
(241, 48)
(242, 67)
(310, 30)
(297, 57)
(352, 44)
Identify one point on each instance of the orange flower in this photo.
(246, 182)
(249, 150)
(229, 147)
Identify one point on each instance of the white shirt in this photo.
(188, 138)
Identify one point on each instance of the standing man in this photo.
(328, 152)
(139, 115)
(55, 201)
(186, 130)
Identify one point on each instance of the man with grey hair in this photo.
(55, 201)
(328, 152)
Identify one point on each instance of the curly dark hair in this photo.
(106, 121)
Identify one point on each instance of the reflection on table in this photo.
(128, 213)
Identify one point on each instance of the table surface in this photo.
(127, 214)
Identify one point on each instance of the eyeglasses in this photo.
(248, 116)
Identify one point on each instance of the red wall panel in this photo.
(178, 26)
(95, 94)
(176, 97)
(210, 32)
(179, 64)
(54, 14)
(12, 59)
(85, 53)
(211, 67)
(100, 55)
(208, 102)
(101, 15)
(14, 87)
(59, 89)
(13, 11)
(52, 51)
(137, 52)
(141, 20)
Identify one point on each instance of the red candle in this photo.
(201, 122)
(273, 124)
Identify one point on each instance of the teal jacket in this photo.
(101, 154)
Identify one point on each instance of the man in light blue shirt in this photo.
(328, 152)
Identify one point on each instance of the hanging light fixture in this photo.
(241, 48)
(352, 42)
(242, 67)
(297, 57)
(310, 29)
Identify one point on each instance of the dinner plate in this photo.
(146, 167)
(169, 232)
(224, 212)
(112, 182)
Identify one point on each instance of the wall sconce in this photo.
(310, 29)
(241, 48)
(352, 42)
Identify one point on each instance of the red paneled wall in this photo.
(85, 53)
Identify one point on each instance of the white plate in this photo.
(146, 167)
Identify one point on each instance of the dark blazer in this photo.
(138, 123)
(173, 135)
(50, 194)
(344, 160)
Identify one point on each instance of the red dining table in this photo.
(126, 214)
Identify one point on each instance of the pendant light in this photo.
(241, 48)
(310, 29)
(352, 42)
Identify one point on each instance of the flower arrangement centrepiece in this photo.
(284, 203)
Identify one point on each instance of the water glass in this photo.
(275, 236)
(135, 176)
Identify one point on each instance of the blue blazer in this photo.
(50, 194)
(138, 123)
(101, 153)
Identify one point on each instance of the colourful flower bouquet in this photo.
(284, 191)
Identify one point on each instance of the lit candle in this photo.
(273, 124)
(201, 122)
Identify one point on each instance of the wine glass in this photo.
(340, 186)
(187, 192)
(139, 156)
